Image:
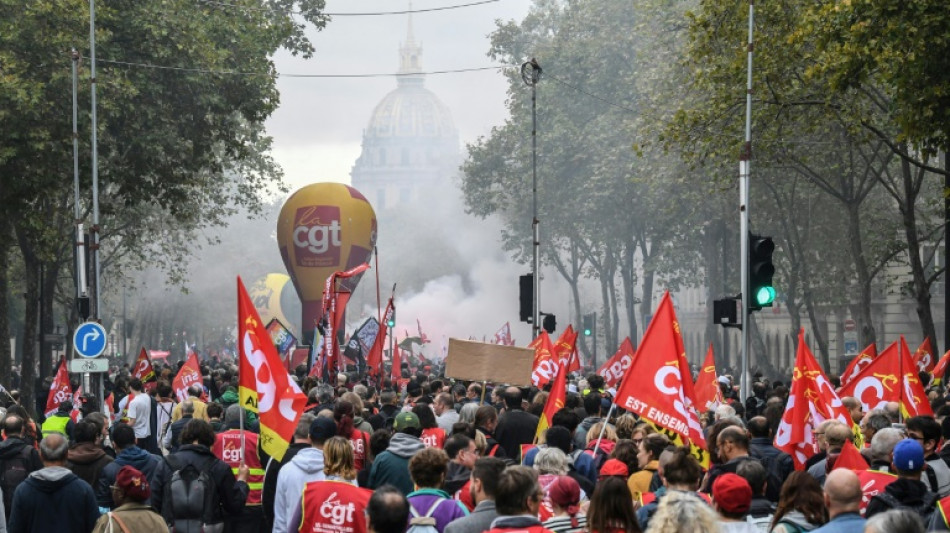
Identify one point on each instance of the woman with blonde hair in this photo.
(683, 511)
(338, 460)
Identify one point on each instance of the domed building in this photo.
(411, 144)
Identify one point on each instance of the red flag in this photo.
(565, 349)
(708, 393)
(620, 362)
(503, 335)
(264, 387)
(873, 483)
(422, 336)
(811, 401)
(545, 365)
(374, 359)
(658, 386)
(924, 357)
(60, 390)
(333, 313)
(858, 364)
(851, 458)
(941, 367)
(190, 374)
(555, 402)
(880, 382)
(395, 372)
(144, 370)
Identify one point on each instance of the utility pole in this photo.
(745, 160)
(531, 74)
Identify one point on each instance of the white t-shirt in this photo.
(140, 409)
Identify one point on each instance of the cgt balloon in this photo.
(324, 228)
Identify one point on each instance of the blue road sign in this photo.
(89, 339)
(851, 347)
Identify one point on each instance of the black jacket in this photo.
(232, 494)
(516, 427)
(911, 493)
(54, 499)
(271, 470)
(18, 450)
(175, 429)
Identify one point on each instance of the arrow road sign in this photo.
(89, 339)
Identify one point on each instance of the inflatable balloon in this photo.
(274, 297)
(324, 228)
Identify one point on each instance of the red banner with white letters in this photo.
(190, 374)
(880, 382)
(612, 371)
(545, 364)
(59, 391)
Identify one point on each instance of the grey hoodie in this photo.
(797, 518)
(405, 445)
(305, 467)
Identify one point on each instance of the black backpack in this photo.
(190, 501)
(14, 471)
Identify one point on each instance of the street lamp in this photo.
(531, 74)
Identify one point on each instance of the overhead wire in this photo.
(293, 75)
(352, 14)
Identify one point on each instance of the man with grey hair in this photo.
(445, 414)
(903, 520)
(324, 398)
(201, 408)
(882, 445)
(186, 409)
(53, 498)
(873, 422)
(835, 435)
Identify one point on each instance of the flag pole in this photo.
(900, 384)
(603, 426)
(241, 425)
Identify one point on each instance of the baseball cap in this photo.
(614, 467)
(732, 493)
(908, 455)
(133, 483)
(322, 428)
(406, 420)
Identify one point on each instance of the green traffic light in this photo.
(587, 332)
(390, 323)
(765, 295)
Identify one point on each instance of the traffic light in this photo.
(526, 297)
(761, 292)
(590, 323)
(392, 319)
(549, 323)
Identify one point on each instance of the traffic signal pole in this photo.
(744, 168)
(531, 75)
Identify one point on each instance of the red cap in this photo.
(732, 493)
(566, 493)
(614, 467)
(133, 483)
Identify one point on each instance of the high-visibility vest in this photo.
(333, 507)
(55, 424)
(227, 447)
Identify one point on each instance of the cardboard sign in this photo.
(479, 361)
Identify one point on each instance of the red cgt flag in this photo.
(811, 401)
(708, 393)
(659, 386)
(555, 402)
(190, 374)
(545, 364)
(334, 304)
(374, 359)
(879, 382)
(565, 350)
(924, 357)
(858, 364)
(264, 387)
(612, 371)
(59, 391)
(941, 367)
(144, 370)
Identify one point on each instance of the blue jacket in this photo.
(149, 464)
(53, 499)
(843, 523)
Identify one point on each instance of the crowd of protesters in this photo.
(426, 454)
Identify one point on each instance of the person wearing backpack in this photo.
(132, 515)
(129, 454)
(200, 489)
(907, 491)
(431, 508)
(778, 464)
(18, 459)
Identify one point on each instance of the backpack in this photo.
(424, 523)
(190, 498)
(600, 457)
(14, 471)
(925, 509)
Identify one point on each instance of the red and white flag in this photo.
(264, 386)
(613, 370)
(503, 335)
(658, 386)
(708, 393)
(545, 364)
(190, 374)
(858, 364)
(941, 367)
(59, 391)
(924, 357)
(880, 382)
(144, 371)
(811, 401)
(334, 303)
(565, 350)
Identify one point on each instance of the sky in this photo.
(318, 127)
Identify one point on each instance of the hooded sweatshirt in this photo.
(54, 499)
(150, 465)
(87, 460)
(305, 467)
(797, 518)
(17, 452)
(392, 466)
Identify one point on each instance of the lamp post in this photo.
(531, 74)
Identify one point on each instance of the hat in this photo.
(724, 380)
(732, 493)
(406, 420)
(565, 492)
(614, 467)
(322, 428)
(908, 455)
(133, 483)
